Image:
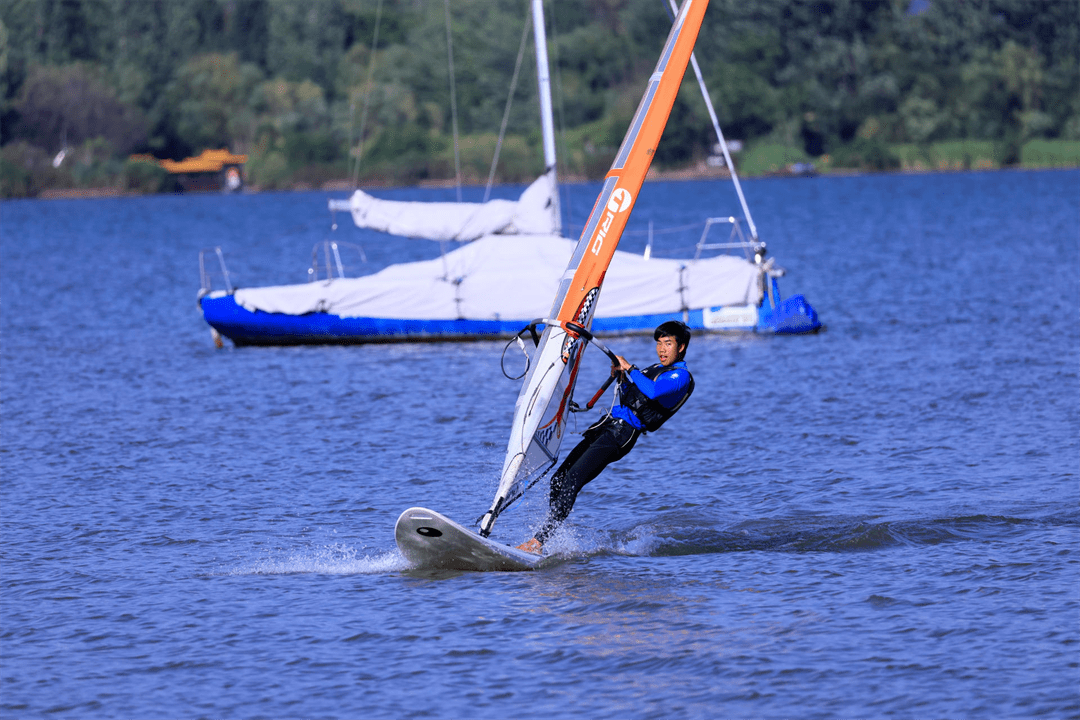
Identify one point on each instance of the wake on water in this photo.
(829, 534)
(677, 535)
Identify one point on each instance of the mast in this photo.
(547, 119)
(543, 403)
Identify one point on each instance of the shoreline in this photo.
(672, 175)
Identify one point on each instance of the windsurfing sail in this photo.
(544, 401)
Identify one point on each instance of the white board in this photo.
(430, 540)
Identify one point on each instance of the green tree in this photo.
(747, 103)
(211, 96)
(67, 105)
(305, 40)
(820, 74)
(153, 39)
(293, 118)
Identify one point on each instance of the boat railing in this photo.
(326, 262)
(737, 239)
(207, 271)
(753, 249)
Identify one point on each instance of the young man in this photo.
(647, 398)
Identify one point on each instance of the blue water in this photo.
(880, 520)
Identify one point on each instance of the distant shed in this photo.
(213, 170)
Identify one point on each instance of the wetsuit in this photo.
(647, 398)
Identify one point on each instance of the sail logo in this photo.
(618, 202)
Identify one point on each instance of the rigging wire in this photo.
(367, 95)
(673, 11)
(453, 103)
(349, 145)
(509, 101)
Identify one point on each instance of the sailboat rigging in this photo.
(536, 212)
(544, 401)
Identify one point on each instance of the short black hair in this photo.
(677, 330)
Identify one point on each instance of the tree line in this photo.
(327, 90)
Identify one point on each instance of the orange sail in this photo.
(544, 401)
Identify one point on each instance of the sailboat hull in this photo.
(493, 287)
(244, 327)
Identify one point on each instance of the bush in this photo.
(866, 154)
(145, 176)
(306, 148)
(269, 170)
(407, 155)
(14, 180)
(68, 105)
(318, 175)
(947, 155)
(1007, 149)
(520, 158)
(767, 159)
(25, 170)
(1050, 153)
(589, 150)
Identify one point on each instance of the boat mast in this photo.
(547, 119)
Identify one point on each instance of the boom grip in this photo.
(589, 337)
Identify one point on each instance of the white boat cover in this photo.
(514, 278)
(534, 213)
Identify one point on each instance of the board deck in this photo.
(430, 540)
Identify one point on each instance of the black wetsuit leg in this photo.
(604, 443)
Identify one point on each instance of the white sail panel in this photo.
(534, 213)
(538, 425)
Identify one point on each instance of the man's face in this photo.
(668, 349)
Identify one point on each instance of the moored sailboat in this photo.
(502, 277)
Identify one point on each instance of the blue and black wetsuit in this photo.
(647, 398)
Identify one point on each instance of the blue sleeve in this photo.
(668, 389)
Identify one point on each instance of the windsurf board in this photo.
(430, 540)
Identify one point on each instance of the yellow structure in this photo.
(210, 161)
(210, 170)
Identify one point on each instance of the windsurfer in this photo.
(647, 398)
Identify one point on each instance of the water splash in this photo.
(327, 560)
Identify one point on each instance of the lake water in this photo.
(880, 520)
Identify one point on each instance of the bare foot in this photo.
(533, 546)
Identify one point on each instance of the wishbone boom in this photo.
(589, 337)
(582, 332)
(577, 329)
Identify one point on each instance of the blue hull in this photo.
(791, 316)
